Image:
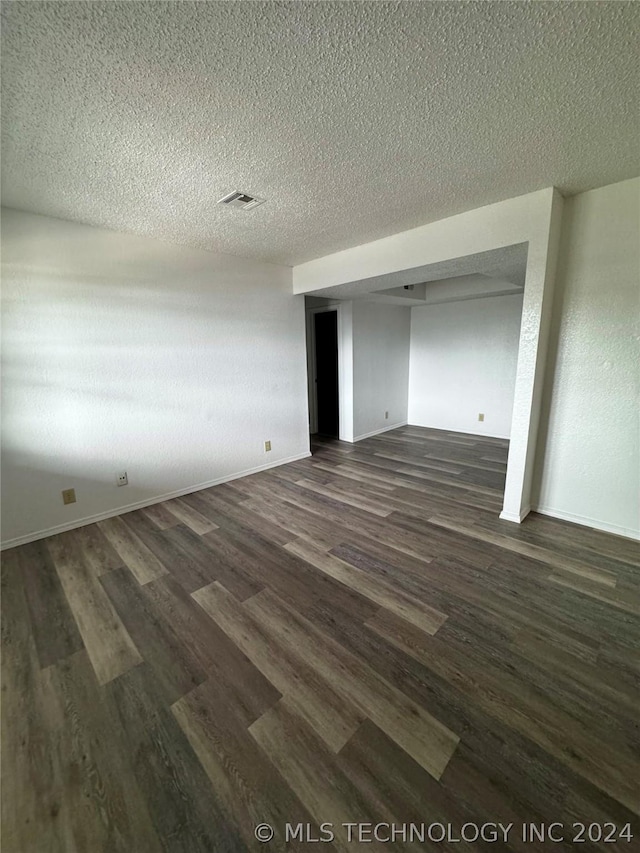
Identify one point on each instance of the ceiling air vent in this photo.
(240, 199)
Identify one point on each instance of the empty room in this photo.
(320, 426)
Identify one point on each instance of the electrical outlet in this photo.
(267, 446)
(68, 496)
(481, 416)
(386, 416)
(122, 479)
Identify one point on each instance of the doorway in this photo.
(324, 393)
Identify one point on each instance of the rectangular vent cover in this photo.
(241, 199)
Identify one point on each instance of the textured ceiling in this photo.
(354, 120)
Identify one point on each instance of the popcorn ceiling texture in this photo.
(354, 120)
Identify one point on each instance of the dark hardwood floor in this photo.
(353, 638)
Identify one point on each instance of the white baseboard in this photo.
(378, 431)
(516, 517)
(594, 523)
(100, 516)
(460, 431)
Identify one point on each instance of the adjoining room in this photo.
(320, 440)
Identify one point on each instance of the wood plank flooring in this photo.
(352, 638)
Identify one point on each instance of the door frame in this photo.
(312, 389)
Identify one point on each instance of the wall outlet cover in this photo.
(122, 479)
(68, 496)
(267, 446)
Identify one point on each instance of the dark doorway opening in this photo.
(326, 363)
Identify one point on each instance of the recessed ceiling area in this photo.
(494, 273)
(457, 289)
(355, 120)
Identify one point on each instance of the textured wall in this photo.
(122, 352)
(380, 366)
(463, 361)
(589, 459)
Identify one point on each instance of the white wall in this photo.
(380, 367)
(463, 362)
(124, 353)
(589, 459)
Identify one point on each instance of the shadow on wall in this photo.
(43, 487)
(177, 382)
(95, 357)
